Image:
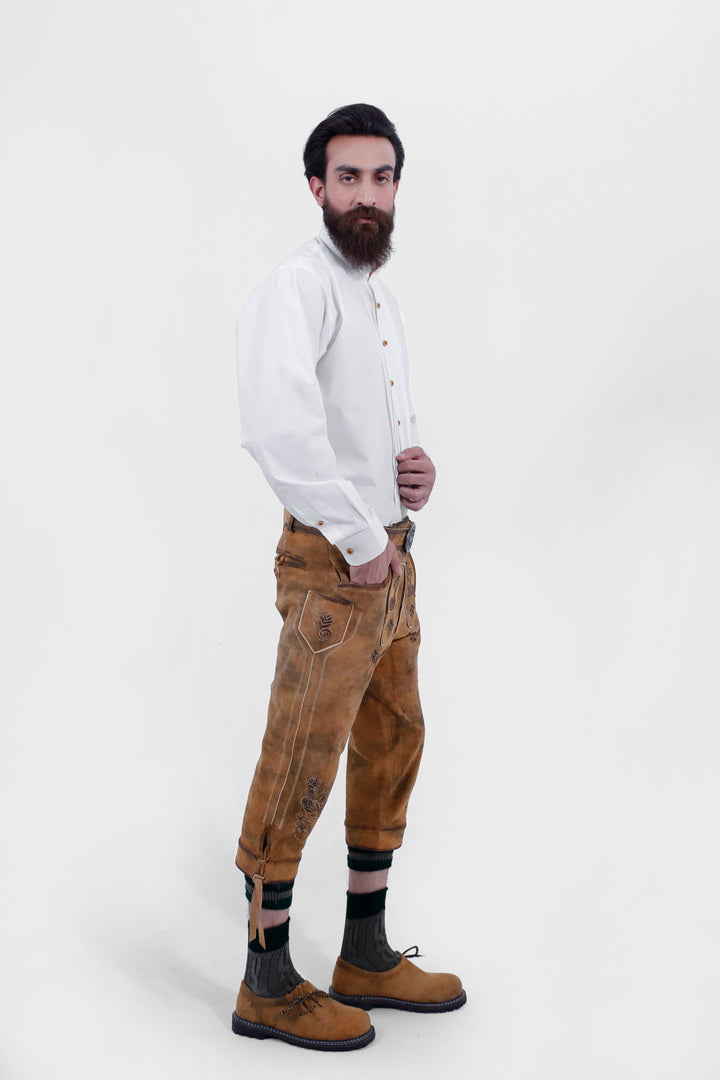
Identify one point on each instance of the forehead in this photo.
(359, 151)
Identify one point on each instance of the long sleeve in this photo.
(282, 332)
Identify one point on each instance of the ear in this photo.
(395, 187)
(317, 186)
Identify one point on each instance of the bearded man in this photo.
(326, 413)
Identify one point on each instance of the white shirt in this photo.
(324, 403)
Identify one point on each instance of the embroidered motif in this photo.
(413, 638)
(312, 803)
(374, 656)
(324, 622)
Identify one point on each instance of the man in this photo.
(325, 411)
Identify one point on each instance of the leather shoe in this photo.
(305, 1017)
(405, 986)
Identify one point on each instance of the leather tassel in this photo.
(256, 926)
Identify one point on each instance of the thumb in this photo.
(395, 562)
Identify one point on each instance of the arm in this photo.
(283, 330)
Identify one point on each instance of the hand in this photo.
(375, 571)
(416, 477)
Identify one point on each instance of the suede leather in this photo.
(317, 1018)
(346, 670)
(406, 982)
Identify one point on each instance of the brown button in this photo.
(321, 522)
(378, 305)
(384, 342)
(398, 421)
(349, 551)
(392, 382)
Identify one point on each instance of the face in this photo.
(358, 197)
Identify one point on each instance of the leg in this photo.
(383, 758)
(323, 666)
(384, 750)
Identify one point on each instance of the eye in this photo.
(346, 176)
(383, 179)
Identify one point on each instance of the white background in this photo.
(557, 265)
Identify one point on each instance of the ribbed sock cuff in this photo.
(362, 905)
(363, 859)
(275, 938)
(277, 895)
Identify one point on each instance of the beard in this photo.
(366, 245)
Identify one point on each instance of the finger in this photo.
(413, 491)
(395, 565)
(413, 505)
(411, 452)
(413, 476)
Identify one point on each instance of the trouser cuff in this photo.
(359, 836)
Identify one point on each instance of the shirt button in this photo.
(378, 305)
(349, 551)
(321, 522)
(398, 421)
(384, 342)
(392, 382)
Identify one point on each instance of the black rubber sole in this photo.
(373, 1002)
(264, 1031)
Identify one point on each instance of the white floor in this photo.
(562, 858)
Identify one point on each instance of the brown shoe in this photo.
(403, 987)
(304, 1017)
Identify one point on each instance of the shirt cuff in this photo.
(363, 546)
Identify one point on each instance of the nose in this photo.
(364, 195)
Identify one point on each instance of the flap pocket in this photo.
(324, 621)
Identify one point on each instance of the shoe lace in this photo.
(409, 952)
(303, 999)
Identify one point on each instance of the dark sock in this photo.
(277, 895)
(364, 942)
(363, 859)
(269, 972)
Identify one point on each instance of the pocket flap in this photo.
(324, 621)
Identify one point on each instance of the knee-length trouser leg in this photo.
(384, 750)
(347, 662)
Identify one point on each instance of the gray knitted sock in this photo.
(364, 943)
(269, 972)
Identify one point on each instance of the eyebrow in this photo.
(354, 169)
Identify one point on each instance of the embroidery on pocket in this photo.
(324, 621)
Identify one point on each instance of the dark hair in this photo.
(350, 120)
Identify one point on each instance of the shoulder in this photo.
(305, 275)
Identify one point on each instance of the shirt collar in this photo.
(327, 239)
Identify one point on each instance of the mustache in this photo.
(371, 212)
